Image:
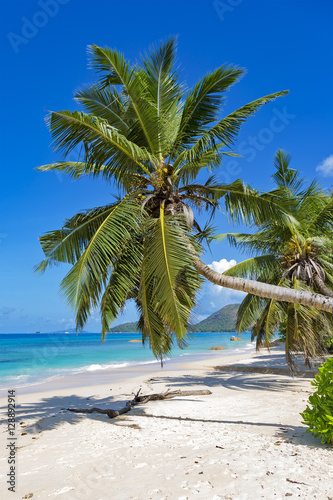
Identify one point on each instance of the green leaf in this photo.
(123, 282)
(165, 256)
(202, 104)
(105, 244)
(228, 128)
(68, 243)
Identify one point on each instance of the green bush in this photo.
(319, 418)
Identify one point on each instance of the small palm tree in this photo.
(150, 137)
(299, 258)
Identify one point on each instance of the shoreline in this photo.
(111, 372)
(246, 436)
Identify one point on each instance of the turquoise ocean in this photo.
(26, 359)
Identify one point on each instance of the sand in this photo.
(244, 441)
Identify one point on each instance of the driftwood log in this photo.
(141, 400)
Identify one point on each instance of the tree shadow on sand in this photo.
(234, 380)
(294, 434)
(49, 413)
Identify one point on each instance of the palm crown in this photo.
(143, 131)
(298, 257)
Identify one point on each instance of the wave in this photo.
(96, 367)
(93, 368)
(31, 380)
(12, 378)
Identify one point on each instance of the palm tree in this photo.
(298, 257)
(150, 137)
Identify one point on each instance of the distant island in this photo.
(223, 320)
(125, 328)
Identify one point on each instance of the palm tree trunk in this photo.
(322, 287)
(320, 302)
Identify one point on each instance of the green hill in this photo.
(222, 320)
(125, 328)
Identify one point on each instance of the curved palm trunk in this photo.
(264, 290)
(322, 287)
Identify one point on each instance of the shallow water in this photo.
(28, 358)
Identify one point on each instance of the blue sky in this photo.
(283, 44)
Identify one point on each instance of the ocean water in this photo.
(28, 358)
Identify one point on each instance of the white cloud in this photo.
(326, 166)
(222, 265)
(67, 322)
(220, 296)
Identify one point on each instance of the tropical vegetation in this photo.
(318, 415)
(299, 257)
(149, 136)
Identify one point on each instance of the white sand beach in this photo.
(244, 441)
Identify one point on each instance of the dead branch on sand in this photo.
(141, 400)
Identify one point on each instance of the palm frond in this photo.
(258, 330)
(202, 104)
(254, 244)
(103, 143)
(106, 243)
(89, 301)
(106, 103)
(166, 255)
(211, 159)
(274, 316)
(245, 205)
(153, 328)
(69, 243)
(77, 169)
(263, 266)
(228, 128)
(285, 176)
(249, 311)
(323, 218)
(303, 330)
(124, 279)
(163, 91)
(118, 72)
(187, 285)
(312, 201)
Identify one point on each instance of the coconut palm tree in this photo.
(298, 257)
(145, 133)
